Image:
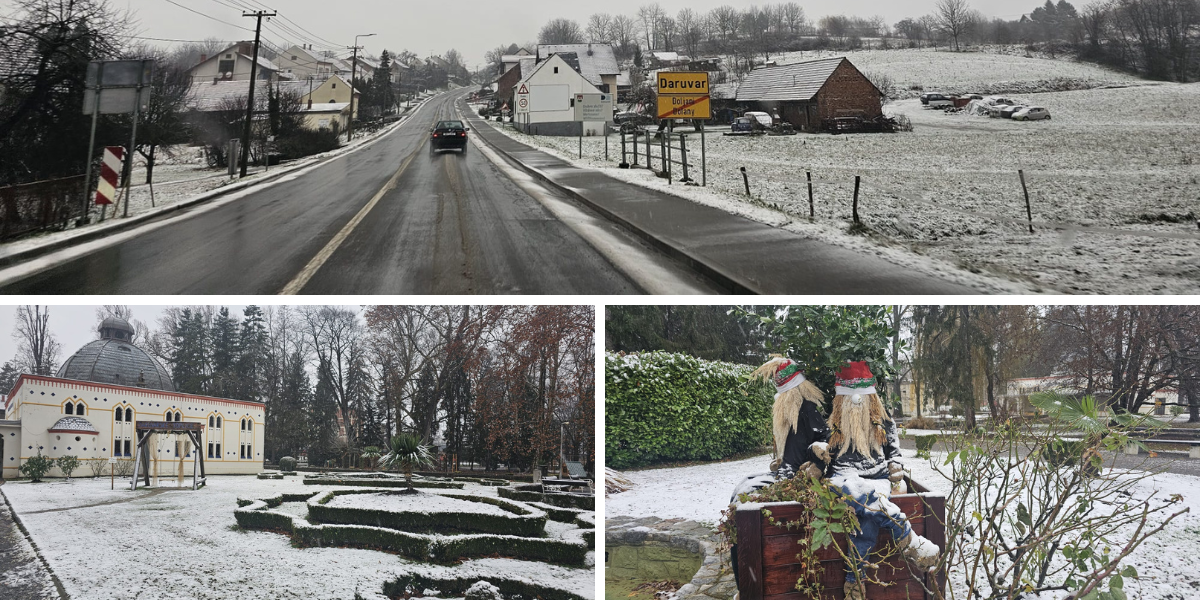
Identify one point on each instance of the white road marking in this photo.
(324, 255)
(58, 258)
(650, 270)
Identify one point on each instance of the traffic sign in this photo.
(523, 99)
(593, 107)
(683, 83)
(684, 107)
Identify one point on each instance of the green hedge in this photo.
(254, 514)
(415, 585)
(382, 483)
(663, 407)
(562, 515)
(563, 500)
(526, 522)
(563, 552)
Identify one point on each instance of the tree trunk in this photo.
(896, 358)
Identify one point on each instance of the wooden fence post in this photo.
(857, 181)
(1028, 208)
(810, 196)
(746, 180)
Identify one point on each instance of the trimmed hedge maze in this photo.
(570, 550)
(533, 493)
(521, 520)
(382, 483)
(406, 586)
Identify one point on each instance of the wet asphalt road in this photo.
(452, 224)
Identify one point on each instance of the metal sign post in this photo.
(115, 87)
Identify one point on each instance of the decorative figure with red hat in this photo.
(863, 456)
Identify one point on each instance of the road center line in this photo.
(323, 256)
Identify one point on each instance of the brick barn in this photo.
(809, 95)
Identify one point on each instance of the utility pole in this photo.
(353, 75)
(253, 80)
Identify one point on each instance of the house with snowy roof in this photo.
(91, 407)
(324, 102)
(303, 63)
(233, 64)
(597, 63)
(810, 95)
(551, 87)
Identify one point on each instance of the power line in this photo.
(191, 10)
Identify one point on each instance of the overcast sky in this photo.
(471, 26)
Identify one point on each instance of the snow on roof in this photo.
(528, 65)
(799, 81)
(595, 60)
(207, 97)
(334, 107)
(73, 425)
(723, 91)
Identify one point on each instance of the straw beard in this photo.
(858, 426)
(785, 415)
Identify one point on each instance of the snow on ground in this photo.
(22, 575)
(1114, 180)
(184, 544)
(993, 71)
(701, 492)
(422, 502)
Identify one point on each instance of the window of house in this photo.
(218, 422)
(118, 415)
(225, 66)
(243, 424)
(80, 409)
(129, 415)
(116, 447)
(69, 408)
(210, 449)
(218, 450)
(334, 86)
(210, 422)
(555, 70)
(127, 452)
(249, 424)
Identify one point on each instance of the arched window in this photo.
(118, 415)
(128, 415)
(210, 422)
(218, 422)
(69, 408)
(243, 424)
(249, 424)
(80, 409)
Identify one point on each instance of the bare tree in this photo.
(599, 28)
(624, 34)
(560, 31)
(37, 348)
(690, 30)
(955, 18)
(793, 17)
(650, 16)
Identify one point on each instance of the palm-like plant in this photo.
(406, 453)
(371, 455)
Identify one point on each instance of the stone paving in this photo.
(714, 580)
(22, 575)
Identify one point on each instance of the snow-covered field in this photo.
(1114, 181)
(423, 501)
(184, 544)
(701, 492)
(994, 71)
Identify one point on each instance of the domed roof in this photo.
(115, 360)
(73, 425)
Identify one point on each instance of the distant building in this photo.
(810, 95)
(325, 101)
(303, 63)
(553, 84)
(90, 408)
(597, 63)
(233, 64)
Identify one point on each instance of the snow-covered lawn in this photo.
(184, 544)
(424, 501)
(701, 492)
(1114, 180)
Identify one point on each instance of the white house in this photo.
(552, 86)
(303, 63)
(90, 409)
(233, 64)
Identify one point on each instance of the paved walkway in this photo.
(736, 252)
(22, 575)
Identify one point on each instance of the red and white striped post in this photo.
(106, 190)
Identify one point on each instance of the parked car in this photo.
(1031, 113)
(994, 110)
(448, 134)
(742, 126)
(935, 100)
(762, 120)
(1009, 111)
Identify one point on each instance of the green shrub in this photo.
(287, 463)
(382, 483)
(36, 467)
(667, 407)
(416, 584)
(67, 464)
(307, 142)
(925, 444)
(524, 494)
(521, 521)
(563, 552)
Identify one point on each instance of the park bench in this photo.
(768, 566)
(1193, 446)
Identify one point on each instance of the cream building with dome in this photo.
(90, 407)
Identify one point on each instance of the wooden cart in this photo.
(768, 566)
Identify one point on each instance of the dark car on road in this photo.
(448, 134)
